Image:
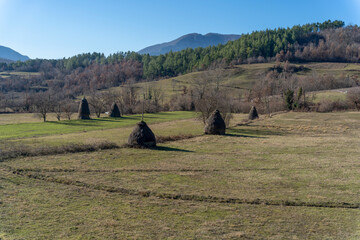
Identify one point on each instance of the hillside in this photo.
(7, 54)
(237, 81)
(192, 40)
(317, 42)
(241, 78)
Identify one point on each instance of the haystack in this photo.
(215, 124)
(115, 112)
(142, 136)
(84, 111)
(253, 113)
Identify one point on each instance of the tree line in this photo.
(90, 72)
(257, 46)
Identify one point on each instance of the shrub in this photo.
(289, 99)
(330, 106)
(353, 96)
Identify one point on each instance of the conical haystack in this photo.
(84, 111)
(253, 113)
(142, 136)
(115, 112)
(215, 124)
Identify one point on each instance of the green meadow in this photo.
(33, 129)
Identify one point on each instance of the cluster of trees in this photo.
(333, 45)
(281, 89)
(79, 81)
(129, 98)
(42, 103)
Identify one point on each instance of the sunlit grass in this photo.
(26, 130)
(304, 158)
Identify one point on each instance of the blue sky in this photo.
(63, 28)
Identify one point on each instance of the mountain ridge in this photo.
(8, 54)
(191, 40)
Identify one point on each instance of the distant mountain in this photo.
(192, 40)
(9, 54)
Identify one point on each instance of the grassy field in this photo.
(292, 176)
(28, 128)
(328, 95)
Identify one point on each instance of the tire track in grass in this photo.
(145, 170)
(184, 197)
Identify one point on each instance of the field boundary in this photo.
(184, 197)
(24, 151)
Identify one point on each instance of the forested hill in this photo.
(193, 40)
(330, 41)
(8, 55)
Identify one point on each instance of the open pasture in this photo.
(292, 176)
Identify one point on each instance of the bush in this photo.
(289, 99)
(330, 106)
(242, 107)
(353, 96)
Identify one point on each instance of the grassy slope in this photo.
(243, 76)
(300, 157)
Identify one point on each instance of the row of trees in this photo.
(129, 98)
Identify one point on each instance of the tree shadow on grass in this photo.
(131, 118)
(169, 149)
(107, 119)
(75, 123)
(241, 136)
(147, 117)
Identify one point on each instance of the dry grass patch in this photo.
(183, 189)
(35, 209)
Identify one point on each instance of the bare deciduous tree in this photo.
(263, 91)
(43, 104)
(69, 107)
(153, 95)
(58, 105)
(97, 100)
(2, 102)
(353, 96)
(209, 95)
(129, 96)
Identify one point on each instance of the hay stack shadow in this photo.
(253, 114)
(115, 111)
(215, 124)
(84, 110)
(142, 136)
